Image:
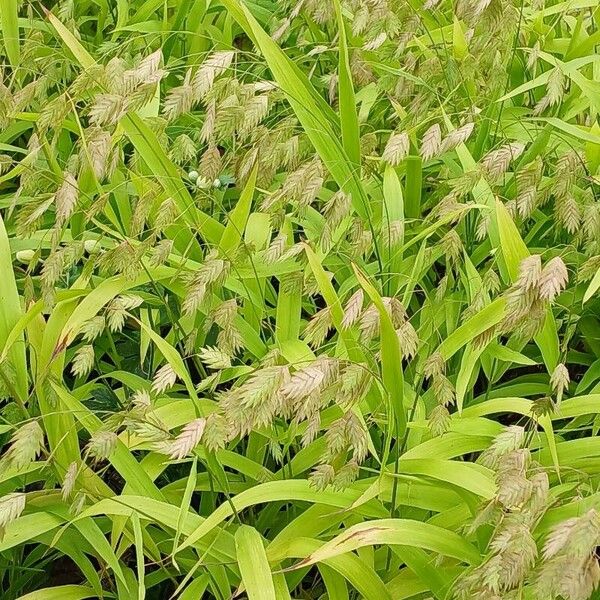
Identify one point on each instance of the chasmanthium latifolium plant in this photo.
(299, 299)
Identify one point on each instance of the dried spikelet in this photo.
(397, 148)
(216, 432)
(554, 278)
(210, 164)
(208, 126)
(483, 224)
(318, 327)
(98, 152)
(355, 382)
(108, 109)
(530, 272)
(443, 390)
(322, 476)
(102, 444)
(567, 212)
(392, 233)
(54, 113)
(485, 337)
(496, 162)
(344, 434)
(408, 339)
(570, 568)
(589, 268)
(476, 304)
(57, 262)
(559, 381)
(452, 245)
(311, 378)
(188, 439)
(555, 86)
(183, 149)
(11, 507)
(276, 249)
(541, 106)
(254, 111)
(224, 314)
(337, 208)
(439, 420)
(216, 64)
(376, 42)
(457, 137)
(434, 365)
(83, 361)
(179, 101)
(527, 182)
(491, 281)
(65, 199)
(360, 70)
(141, 399)
(25, 445)
(514, 489)
(512, 438)
(116, 310)
(69, 481)
(431, 142)
(213, 272)
(161, 252)
(214, 358)
(312, 430)
(513, 554)
(568, 530)
(353, 309)
(164, 379)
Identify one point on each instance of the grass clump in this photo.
(299, 300)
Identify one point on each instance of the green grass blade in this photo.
(9, 18)
(253, 564)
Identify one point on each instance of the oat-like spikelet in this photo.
(102, 444)
(25, 445)
(553, 279)
(83, 361)
(179, 100)
(11, 507)
(214, 358)
(353, 308)
(318, 327)
(457, 137)
(397, 148)
(65, 199)
(216, 64)
(496, 162)
(431, 142)
(187, 440)
(530, 272)
(559, 380)
(211, 163)
(70, 478)
(164, 379)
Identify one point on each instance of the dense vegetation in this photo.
(299, 299)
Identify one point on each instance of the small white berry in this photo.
(217, 183)
(24, 256)
(193, 175)
(92, 246)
